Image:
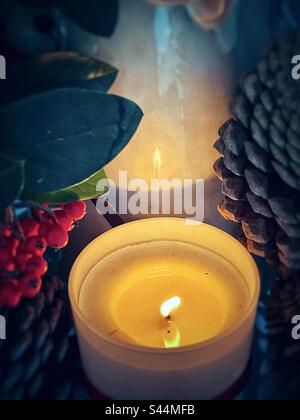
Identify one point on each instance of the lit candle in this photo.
(164, 310)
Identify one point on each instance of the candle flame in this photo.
(173, 340)
(169, 306)
(173, 337)
(157, 162)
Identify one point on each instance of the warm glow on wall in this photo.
(177, 72)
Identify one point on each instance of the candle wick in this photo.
(114, 332)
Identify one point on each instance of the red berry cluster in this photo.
(22, 262)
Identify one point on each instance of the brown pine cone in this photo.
(37, 345)
(260, 163)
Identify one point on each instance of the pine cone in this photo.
(260, 163)
(38, 354)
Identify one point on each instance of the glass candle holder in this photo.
(125, 278)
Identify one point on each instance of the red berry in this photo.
(7, 231)
(5, 257)
(30, 227)
(44, 229)
(22, 259)
(76, 210)
(37, 213)
(35, 246)
(6, 271)
(10, 267)
(30, 285)
(13, 244)
(57, 237)
(49, 218)
(37, 265)
(10, 294)
(64, 220)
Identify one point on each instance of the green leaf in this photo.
(96, 16)
(11, 180)
(93, 187)
(56, 70)
(66, 135)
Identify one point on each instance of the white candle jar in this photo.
(123, 371)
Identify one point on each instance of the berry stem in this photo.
(48, 210)
(14, 221)
(10, 215)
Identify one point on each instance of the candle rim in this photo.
(184, 349)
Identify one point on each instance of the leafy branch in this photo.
(60, 128)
